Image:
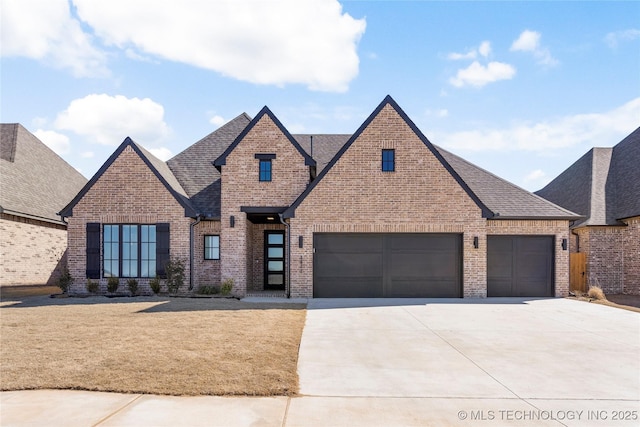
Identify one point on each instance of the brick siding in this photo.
(632, 256)
(31, 251)
(206, 271)
(127, 193)
(241, 187)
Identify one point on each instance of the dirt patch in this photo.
(11, 292)
(174, 346)
(625, 302)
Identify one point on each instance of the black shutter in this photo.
(93, 250)
(162, 248)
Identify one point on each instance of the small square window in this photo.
(388, 160)
(211, 247)
(265, 170)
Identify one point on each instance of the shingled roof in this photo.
(603, 185)
(34, 181)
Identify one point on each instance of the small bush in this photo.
(65, 280)
(132, 284)
(92, 287)
(154, 284)
(112, 284)
(207, 290)
(595, 292)
(226, 287)
(175, 274)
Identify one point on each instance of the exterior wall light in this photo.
(300, 241)
(564, 244)
(232, 221)
(475, 242)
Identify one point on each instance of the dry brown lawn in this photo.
(174, 346)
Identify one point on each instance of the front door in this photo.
(274, 260)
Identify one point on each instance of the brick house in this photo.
(604, 187)
(34, 183)
(380, 213)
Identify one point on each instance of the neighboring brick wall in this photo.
(30, 250)
(241, 187)
(421, 196)
(558, 229)
(207, 272)
(127, 192)
(632, 256)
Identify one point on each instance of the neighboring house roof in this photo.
(324, 147)
(157, 166)
(222, 160)
(193, 167)
(34, 181)
(603, 185)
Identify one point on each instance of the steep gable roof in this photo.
(157, 166)
(603, 185)
(222, 160)
(34, 181)
(194, 170)
(290, 213)
(325, 146)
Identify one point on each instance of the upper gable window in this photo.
(265, 166)
(388, 160)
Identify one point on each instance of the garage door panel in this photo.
(520, 266)
(349, 265)
(353, 287)
(387, 265)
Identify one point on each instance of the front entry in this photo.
(274, 260)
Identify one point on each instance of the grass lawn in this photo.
(175, 346)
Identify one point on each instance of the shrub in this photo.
(132, 284)
(92, 287)
(112, 284)
(595, 292)
(154, 284)
(65, 280)
(175, 274)
(226, 287)
(207, 290)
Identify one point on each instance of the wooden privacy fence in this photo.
(578, 271)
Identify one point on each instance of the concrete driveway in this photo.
(493, 362)
(462, 362)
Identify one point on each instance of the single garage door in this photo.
(399, 265)
(520, 266)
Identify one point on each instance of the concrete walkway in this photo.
(409, 362)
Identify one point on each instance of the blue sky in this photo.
(522, 89)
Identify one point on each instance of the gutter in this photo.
(191, 242)
(288, 282)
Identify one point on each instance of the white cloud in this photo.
(483, 50)
(264, 42)
(479, 75)
(162, 153)
(594, 129)
(612, 39)
(529, 41)
(46, 31)
(58, 142)
(217, 120)
(108, 120)
(535, 175)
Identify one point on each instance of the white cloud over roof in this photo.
(479, 75)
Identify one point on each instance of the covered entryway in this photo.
(392, 265)
(520, 266)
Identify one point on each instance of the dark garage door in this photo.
(520, 266)
(363, 265)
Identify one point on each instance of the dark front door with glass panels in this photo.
(274, 260)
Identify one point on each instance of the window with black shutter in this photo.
(162, 248)
(93, 250)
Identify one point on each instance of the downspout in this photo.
(191, 249)
(288, 285)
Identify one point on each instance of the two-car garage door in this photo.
(427, 265)
(398, 265)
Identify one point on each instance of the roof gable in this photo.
(222, 160)
(388, 100)
(157, 167)
(35, 181)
